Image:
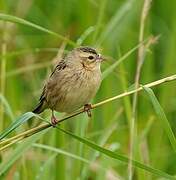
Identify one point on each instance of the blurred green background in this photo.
(113, 27)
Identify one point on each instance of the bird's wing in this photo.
(42, 101)
(60, 66)
(43, 98)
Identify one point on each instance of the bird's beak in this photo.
(100, 58)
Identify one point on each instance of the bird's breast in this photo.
(76, 89)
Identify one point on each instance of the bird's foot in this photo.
(54, 121)
(87, 108)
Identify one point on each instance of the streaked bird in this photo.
(73, 83)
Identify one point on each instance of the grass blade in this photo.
(113, 66)
(23, 147)
(60, 151)
(86, 33)
(20, 120)
(14, 19)
(8, 109)
(101, 14)
(118, 156)
(45, 167)
(161, 115)
(116, 19)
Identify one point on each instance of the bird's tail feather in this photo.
(39, 108)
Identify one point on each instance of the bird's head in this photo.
(85, 56)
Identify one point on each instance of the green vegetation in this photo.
(131, 136)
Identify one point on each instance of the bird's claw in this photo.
(87, 108)
(54, 121)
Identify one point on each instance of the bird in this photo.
(74, 81)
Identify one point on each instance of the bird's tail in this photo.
(40, 108)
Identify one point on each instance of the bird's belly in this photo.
(77, 95)
(74, 99)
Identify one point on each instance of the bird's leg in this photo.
(87, 108)
(54, 120)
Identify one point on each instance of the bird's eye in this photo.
(90, 57)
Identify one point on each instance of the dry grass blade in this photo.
(141, 57)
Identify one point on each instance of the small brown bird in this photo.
(73, 83)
